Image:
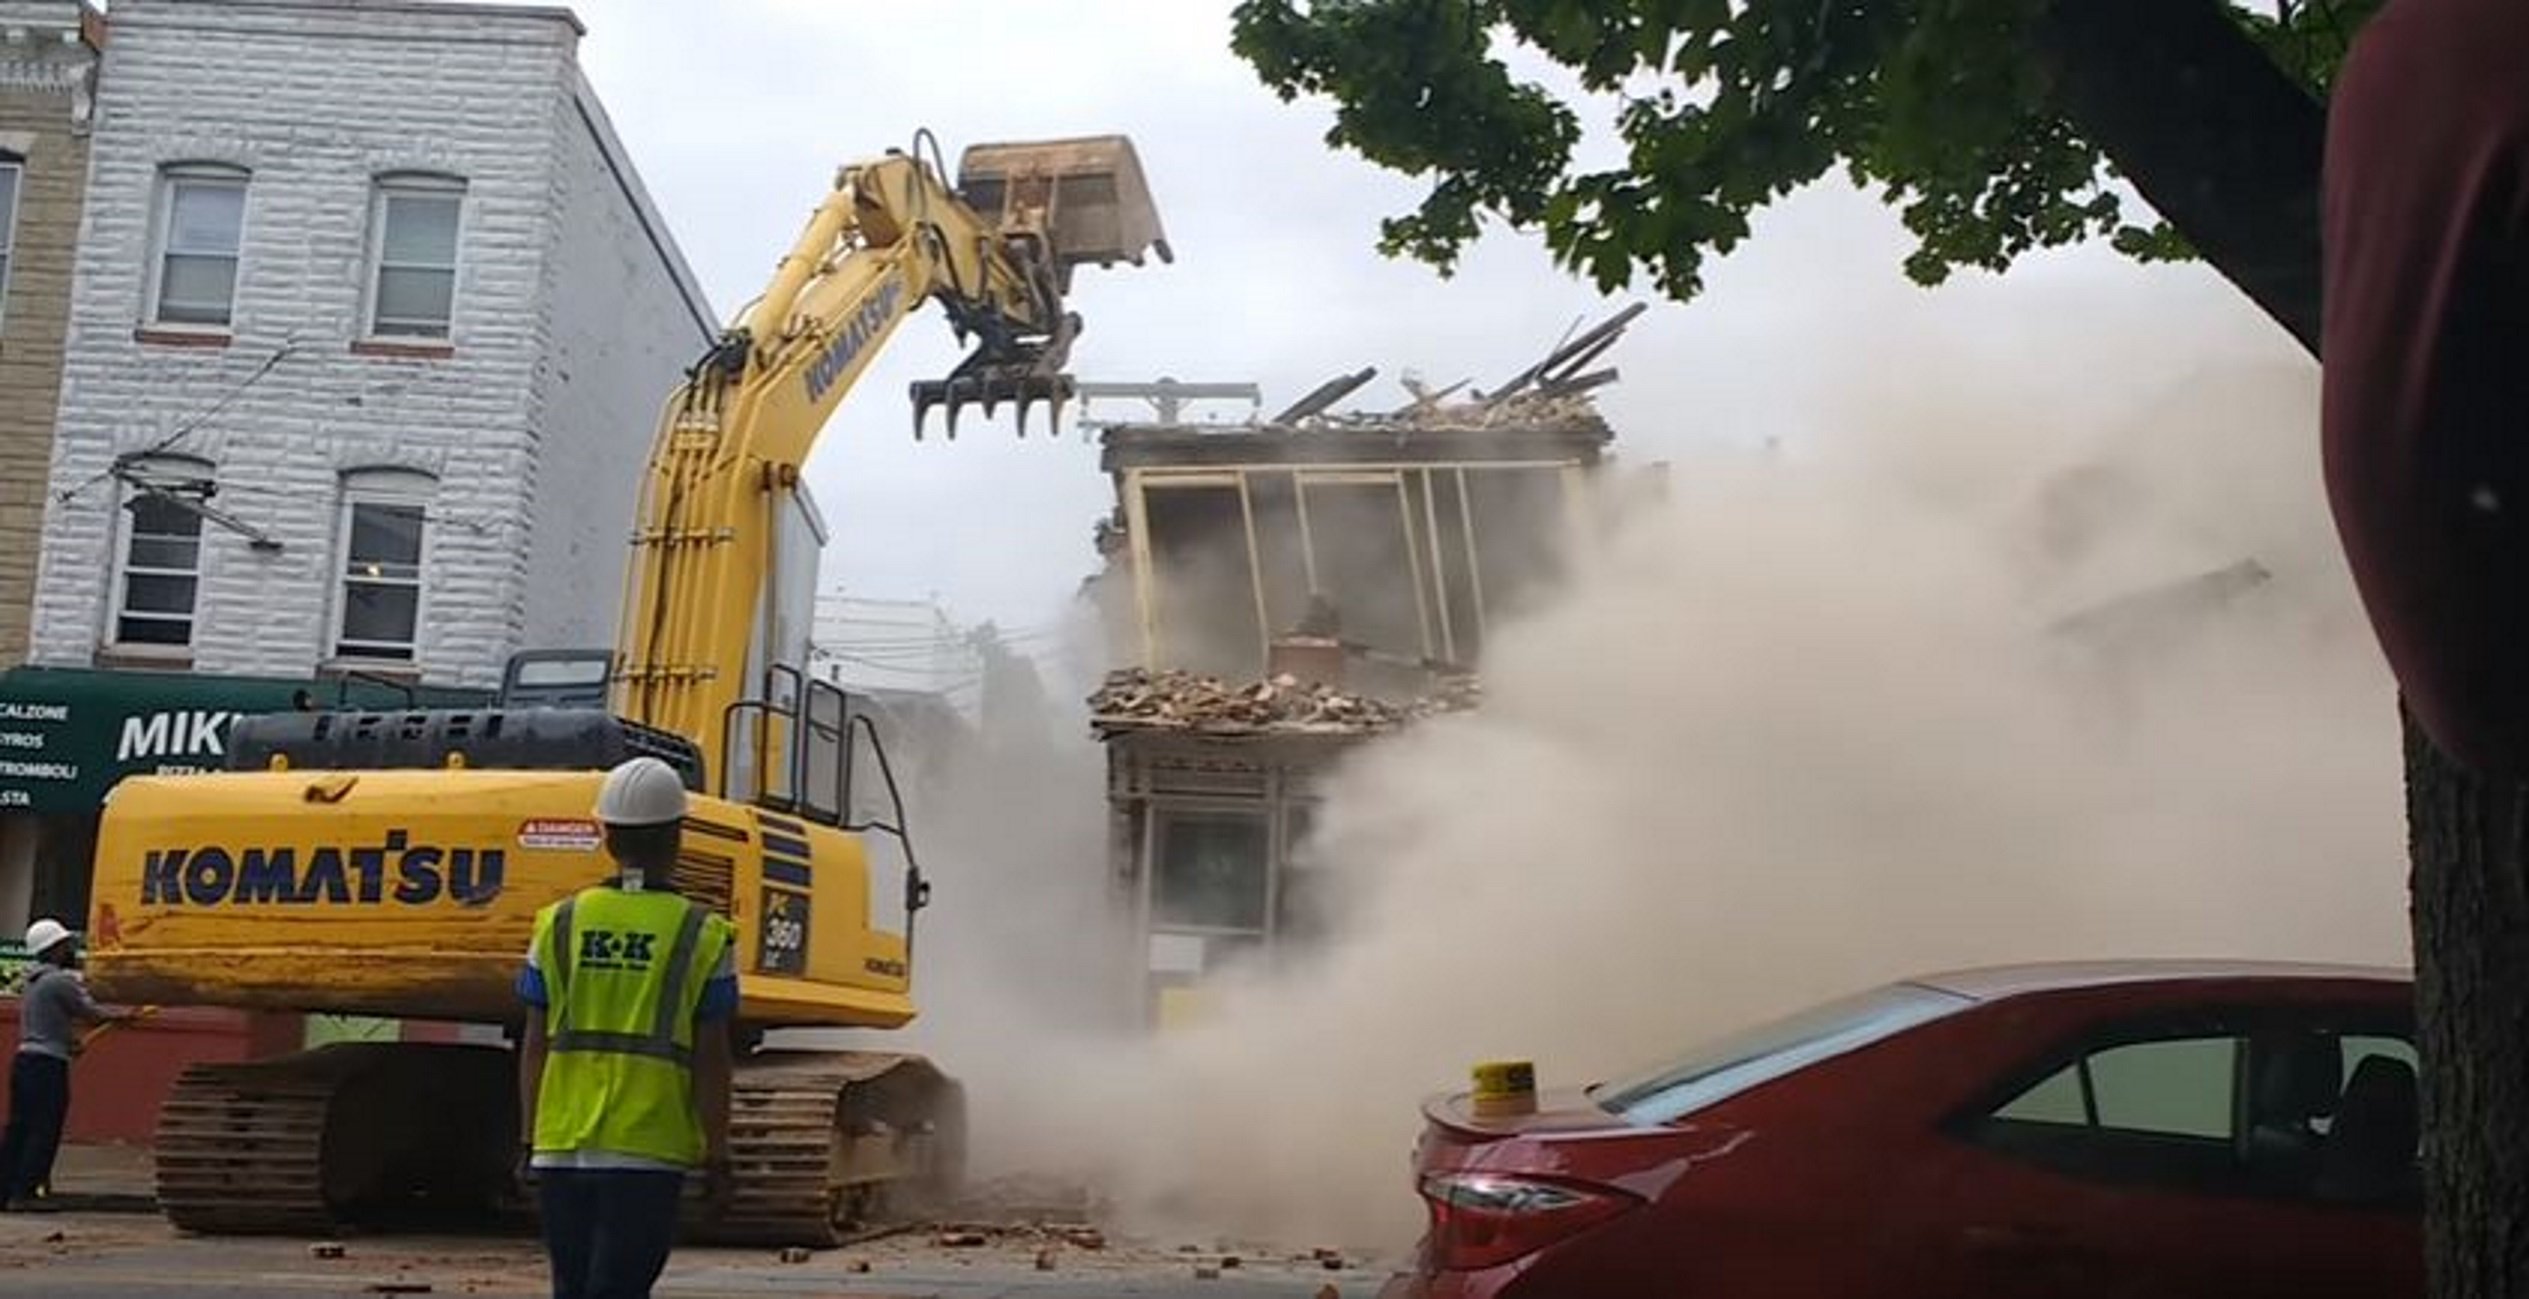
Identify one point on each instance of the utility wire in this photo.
(184, 430)
(480, 524)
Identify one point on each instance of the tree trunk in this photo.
(2222, 143)
(2471, 922)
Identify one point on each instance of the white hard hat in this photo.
(44, 935)
(641, 791)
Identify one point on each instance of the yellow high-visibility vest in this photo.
(623, 974)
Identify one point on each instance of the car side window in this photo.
(2356, 1048)
(2155, 1112)
(2292, 1110)
(2178, 1088)
(2061, 1097)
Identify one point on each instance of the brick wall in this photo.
(314, 98)
(620, 308)
(44, 90)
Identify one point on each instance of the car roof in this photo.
(1991, 983)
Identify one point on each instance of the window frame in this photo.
(166, 470)
(14, 163)
(380, 486)
(171, 178)
(1177, 812)
(383, 189)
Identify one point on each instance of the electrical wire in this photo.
(184, 430)
(478, 524)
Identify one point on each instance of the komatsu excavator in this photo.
(392, 864)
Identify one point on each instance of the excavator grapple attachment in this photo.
(1086, 195)
(990, 391)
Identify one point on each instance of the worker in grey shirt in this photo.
(51, 1007)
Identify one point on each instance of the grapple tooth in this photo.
(923, 400)
(953, 405)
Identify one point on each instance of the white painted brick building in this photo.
(378, 275)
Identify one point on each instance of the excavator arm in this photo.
(890, 235)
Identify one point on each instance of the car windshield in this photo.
(1730, 1065)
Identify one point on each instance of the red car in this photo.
(2143, 1130)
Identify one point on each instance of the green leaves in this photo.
(1723, 106)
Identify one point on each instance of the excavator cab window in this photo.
(796, 748)
(562, 678)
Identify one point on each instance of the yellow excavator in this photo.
(391, 864)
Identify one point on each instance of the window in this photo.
(12, 174)
(1212, 871)
(413, 293)
(2273, 1110)
(2356, 1049)
(2177, 1088)
(1724, 1068)
(384, 517)
(2155, 1112)
(202, 217)
(161, 555)
(2180, 1087)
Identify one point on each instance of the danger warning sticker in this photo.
(560, 835)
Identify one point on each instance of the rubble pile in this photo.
(1137, 697)
(1527, 412)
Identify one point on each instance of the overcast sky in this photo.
(738, 111)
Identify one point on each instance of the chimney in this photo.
(1314, 660)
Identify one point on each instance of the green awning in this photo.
(67, 734)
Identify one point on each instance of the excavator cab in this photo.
(1086, 194)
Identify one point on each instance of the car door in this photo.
(2138, 1163)
(2358, 1205)
(2084, 1182)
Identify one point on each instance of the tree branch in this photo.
(2218, 139)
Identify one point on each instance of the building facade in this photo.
(48, 65)
(369, 322)
(370, 325)
(1278, 594)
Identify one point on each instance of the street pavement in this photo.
(130, 1256)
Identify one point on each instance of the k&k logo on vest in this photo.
(604, 949)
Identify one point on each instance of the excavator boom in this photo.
(889, 236)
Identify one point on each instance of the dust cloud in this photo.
(1937, 684)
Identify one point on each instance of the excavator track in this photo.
(374, 1131)
(826, 1147)
(237, 1151)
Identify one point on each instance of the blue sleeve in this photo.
(720, 991)
(531, 980)
(531, 986)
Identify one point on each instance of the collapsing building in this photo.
(1284, 590)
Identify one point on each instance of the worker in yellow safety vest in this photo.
(623, 1080)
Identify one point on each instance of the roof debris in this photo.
(1535, 412)
(1139, 699)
